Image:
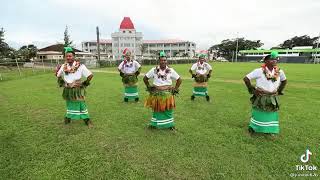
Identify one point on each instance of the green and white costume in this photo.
(265, 117)
(74, 92)
(200, 87)
(161, 100)
(129, 80)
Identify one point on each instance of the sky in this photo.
(205, 22)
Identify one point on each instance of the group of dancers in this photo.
(270, 83)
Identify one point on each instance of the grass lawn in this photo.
(211, 143)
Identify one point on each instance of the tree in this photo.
(228, 46)
(4, 47)
(143, 48)
(67, 40)
(1, 35)
(304, 40)
(27, 52)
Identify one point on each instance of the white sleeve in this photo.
(120, 65)
(282, 76)
(174, 74)
(193, 67)
(85, 71)
(209, 66)
(150, 74)
(137, 65)
(255, 74)
(60, 72)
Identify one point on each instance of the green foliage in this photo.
(27, 52)
(304, 40)
(67, 40)
(5, 50)
(227, 46)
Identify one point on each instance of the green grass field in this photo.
(211, 143)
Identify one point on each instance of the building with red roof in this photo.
(128, 37)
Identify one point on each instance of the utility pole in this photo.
(98, 44)
(237, 47)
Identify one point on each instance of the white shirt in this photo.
(129, 67)
(162, 77)
(82, 71)
(201, 68)
(265, 84)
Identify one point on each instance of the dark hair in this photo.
(268, 57)
(64, 53)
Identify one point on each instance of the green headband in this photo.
(202, 56)
(68, 49)
(274, 55)
(162, 54)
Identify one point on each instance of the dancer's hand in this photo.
(85, 83)
(175, 91)
(280, 93)
(60, 82)
(121, 74)
(251, 90)
(257, 92)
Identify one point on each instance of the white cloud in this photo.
(203, 21)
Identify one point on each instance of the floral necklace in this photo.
(201, 67)
(127, 64)
(159, 75)
(269, 74)
(75, 66)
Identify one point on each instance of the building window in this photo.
(130, 32)
(124, 31)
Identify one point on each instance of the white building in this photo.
(128, 37)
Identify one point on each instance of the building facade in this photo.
(128, 37)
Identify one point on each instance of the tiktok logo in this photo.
(306, 157)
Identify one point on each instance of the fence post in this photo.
(44, 70)
(18, 67)
(51, 64)
(32, 67)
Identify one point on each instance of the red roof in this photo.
(126, 23)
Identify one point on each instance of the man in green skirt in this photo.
(129, 71)
(161, 99)
(74, 90)
(201, 72)
(270, 82)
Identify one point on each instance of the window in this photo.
(130, 32)
(124, 31)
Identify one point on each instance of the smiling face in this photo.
(127, 57)
(69, 57)
(201, 60)
(162, 62)
(270, 62)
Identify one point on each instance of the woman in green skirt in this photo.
(129, 71)
(270, 82)
(201, 72)
(74, 90)
(161, 99)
